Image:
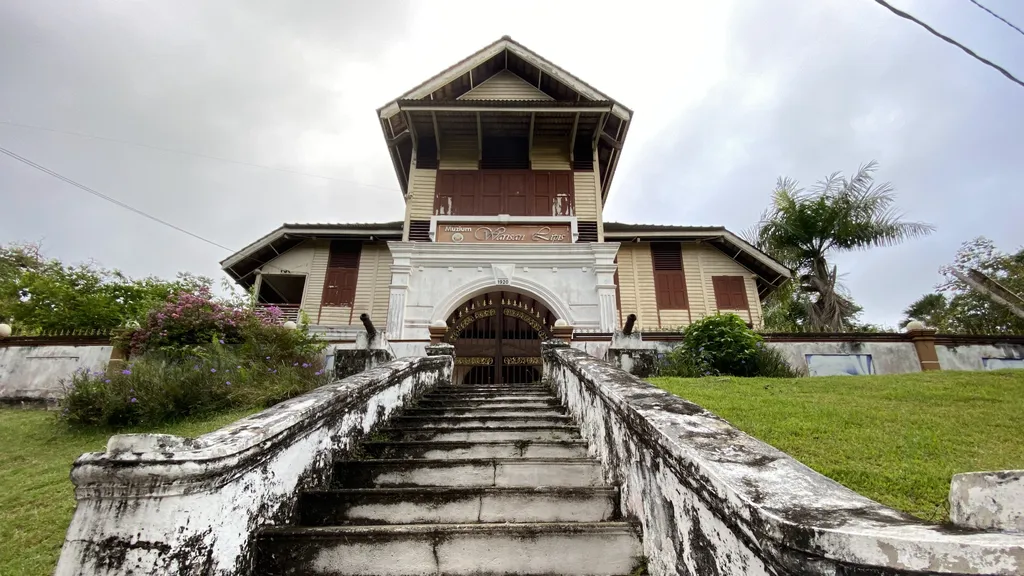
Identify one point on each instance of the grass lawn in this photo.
(36, 496)
(895, 439)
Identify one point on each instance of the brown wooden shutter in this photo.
(342, 273)
(730, 292)
(669, 279)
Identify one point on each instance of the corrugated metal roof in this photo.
(624, 227)
(396, 225)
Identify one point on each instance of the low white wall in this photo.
(33, 373)
(886, 357)
(159, 504)
(713, 500)
(971, 356)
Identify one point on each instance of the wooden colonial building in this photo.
(505, 161)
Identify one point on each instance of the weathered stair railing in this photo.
(713, 500)
(160, 504)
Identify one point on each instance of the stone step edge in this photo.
(469, 491)
(540, 428)
(377, 531)
(525, 409)
(492, 417)
(442, 462)
(470, 443)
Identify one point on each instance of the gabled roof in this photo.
(770, 272)
(243, 263)
(433, 88)
(501, 90)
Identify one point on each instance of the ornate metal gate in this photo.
(497, 338)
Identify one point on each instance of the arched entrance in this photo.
(497, 338)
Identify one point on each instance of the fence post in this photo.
(924, 342)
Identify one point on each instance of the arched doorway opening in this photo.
(497, 338)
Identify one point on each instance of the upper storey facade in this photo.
(505, 132)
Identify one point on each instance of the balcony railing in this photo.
(287, 311)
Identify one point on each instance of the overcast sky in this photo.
(727, 97)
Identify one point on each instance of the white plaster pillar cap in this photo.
(5, 330)
(560, 323)
(438, 324)
(290, 325)
(915, 325)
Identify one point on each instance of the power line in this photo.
(997, 16)
(195, 154)
(108, 198)
(934, 32)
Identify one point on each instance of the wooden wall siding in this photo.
(636, 284)
(315, 289)
(700, 263)
(298, 260)
(586, 191)
(420, 204)
(550, 154)
(505, 86)
(715, 263)
(373, 288)
(459, 152)
(513, 192)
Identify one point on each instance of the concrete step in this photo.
(456, 450)
(489, 403)
(486, 411)
(491, 388)
(457, 505)
(485, 433)
(576, 549)
(478, 421)
(449, 399)
(468, 472)
(510, 394)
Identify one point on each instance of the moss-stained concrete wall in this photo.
(158, 504)
(713, 500)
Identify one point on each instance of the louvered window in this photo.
(419, 231)
(342, 273)
(730, 292)
(669, 280)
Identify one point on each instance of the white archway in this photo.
(525, 286)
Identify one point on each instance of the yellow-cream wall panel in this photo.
(315, 281)
(420, 204)
(458, 152)
(715, 263)
(373, 285)
(585, 189)
(298, 260)
(550, 154)
(382, 291)
(505, 86)
(636, 284)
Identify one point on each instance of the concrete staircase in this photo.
(474, 480)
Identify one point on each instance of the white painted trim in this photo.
(505, 219)
(519, 284)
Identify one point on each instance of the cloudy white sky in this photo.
(728, 96)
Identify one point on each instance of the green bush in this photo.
(723, 345)
(153, 390)
(196, 356)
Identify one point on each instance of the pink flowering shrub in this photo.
(195, 355)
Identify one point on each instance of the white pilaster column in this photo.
(401, 268)
(604, 268)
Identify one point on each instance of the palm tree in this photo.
(803, 228)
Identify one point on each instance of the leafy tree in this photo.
(958, 308)
(803, 229)
(39, 294)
